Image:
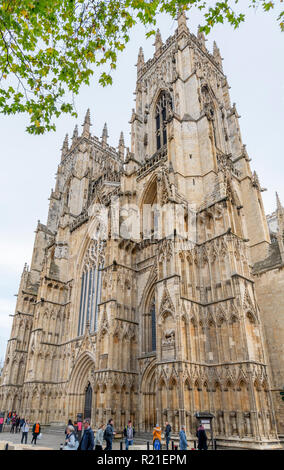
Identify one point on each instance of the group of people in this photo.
(90, 441)
(183, 444)
(18, 424)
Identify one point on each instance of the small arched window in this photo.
(163, 107)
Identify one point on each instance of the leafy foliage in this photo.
(49, 48)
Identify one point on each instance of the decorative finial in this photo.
(140, 61)
(158, 43)
(75, 135)
(64, 148)
(104, 135)
(216, 54)
(87, 124)
(181, 19)
(121, 146)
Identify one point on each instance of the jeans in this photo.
(128, 443)
(24, 436)
(108, 444)
(167, 441)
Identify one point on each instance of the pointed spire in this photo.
(181, 19)
(201, 36)
(141, 60)
(104, 135)
(217, 55)
(75, 135)
(158, 43)
(87, 124)
(64, 148)
(121, 146)
(278, 202)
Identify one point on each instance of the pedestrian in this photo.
(129, 433)
(79, 430)
(99, 438)
(202, 438)
(13, 424)
(35, 431)
(87, 442)
(25, 429)
(22, 420)
(109, 434)
(68, 424)
(1, 423)
(168, 431)
(71, 443)
(18, 419)
(157, 437)
(182, 439)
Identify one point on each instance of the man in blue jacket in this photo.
(87, 442)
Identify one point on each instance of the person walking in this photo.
(202, 438)
(13, 424)
(18, 419)
(129, 433)
(1, 423)
(71, 443)
(157, 437)
(168, 431)
(182, 439)
(109, 434)
(79, 430)
(87, 442)
(99, 438)
(25, 429)
(36, 432)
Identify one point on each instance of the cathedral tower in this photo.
(140, 301)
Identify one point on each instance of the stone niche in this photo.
(169, 344)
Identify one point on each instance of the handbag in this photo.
(39, 436)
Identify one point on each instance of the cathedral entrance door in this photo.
(88, 401)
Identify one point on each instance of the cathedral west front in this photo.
(155, 289)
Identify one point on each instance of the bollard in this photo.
(194, 444)
(121, 445)
(148, 445)
(215, 444)
(61, 447)
(6, 446)
(172, 445)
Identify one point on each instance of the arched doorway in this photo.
(88, 401)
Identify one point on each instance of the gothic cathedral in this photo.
(129, 310)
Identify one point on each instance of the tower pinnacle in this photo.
(104, 134)
(86, 125)
(64, 149)
(158, 43)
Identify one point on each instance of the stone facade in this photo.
(116, 316)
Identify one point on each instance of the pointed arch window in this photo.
(91, 288)
(153, 324)
(163, 108)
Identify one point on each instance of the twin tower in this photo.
(118, 316)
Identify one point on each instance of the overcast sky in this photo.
(254, 65)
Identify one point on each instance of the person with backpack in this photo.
(157, 437)
(168, 431)
(36, 432)
(129, 433)
(87, 442)
(109, 434)
(99, 438)
(71, 443)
